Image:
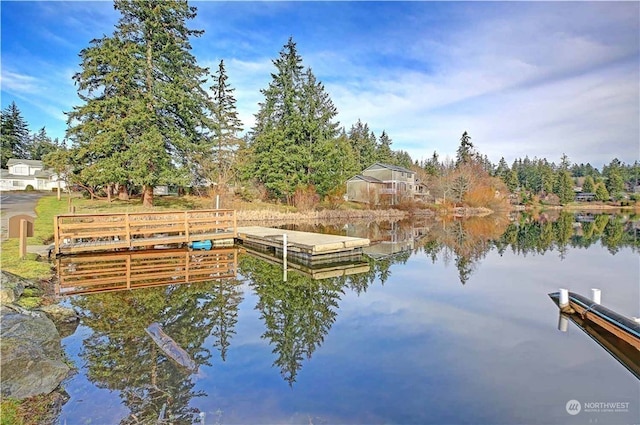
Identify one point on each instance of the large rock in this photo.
(65, 318)
(11, 287)
(31, 354)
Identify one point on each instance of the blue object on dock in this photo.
(206, 245)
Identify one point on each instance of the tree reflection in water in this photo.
(469, 240)
(121, 356)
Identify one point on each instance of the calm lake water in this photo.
(441, 322)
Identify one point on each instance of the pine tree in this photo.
(588, 185)
(512, 181)
(602, 194)
(402, 159)
(319, 131)
(227, 125)
(564, 162)
(502, 170)
(384, 153)
(144, 110)
(614, 179)
(363, 142)
(464, 154)
(564, 187)
(14, 135)
(432, 165)
(294, 128)
(41, 145)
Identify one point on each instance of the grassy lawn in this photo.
(30, 267)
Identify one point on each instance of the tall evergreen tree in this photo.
(613, 175)
(402, 158)
(432, 165)
(512, 180)
(319, 131)
(14, 135)
(41, 145)
(502, 170)
(227, 126)
(294, 127)
(565, 164)
(602, 194)
(384, 153)
(589, 185)
(464, 154)
(363, 142)
(564, 187)
(144, 109)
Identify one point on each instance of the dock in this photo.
(620, 326)
(617, 334)
(302, 245)
(346, 266)
(81, 233)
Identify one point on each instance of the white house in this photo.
(24, 172)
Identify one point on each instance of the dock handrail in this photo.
(107, 231)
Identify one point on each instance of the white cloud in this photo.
(529, 83)
(18, 83)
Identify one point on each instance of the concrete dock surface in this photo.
(307, 242)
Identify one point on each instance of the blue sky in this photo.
(523, 78)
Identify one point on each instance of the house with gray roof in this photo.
(21, 173)
(385, 183)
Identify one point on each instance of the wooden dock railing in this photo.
(113, 271)
(75, 233)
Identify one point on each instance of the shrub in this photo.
(29, 188)
(335, 197)
(305, 198)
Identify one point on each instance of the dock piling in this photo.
(564, 298)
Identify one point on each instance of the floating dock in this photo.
(302, 245)
(345, 267)
(617, 334)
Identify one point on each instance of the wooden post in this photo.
(23, 239)
(217, 202)
(58, 190)
(56, 234)
(595, 295)
(69, 204)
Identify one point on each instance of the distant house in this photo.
(21, 173)
(585, 197)
(384, 182)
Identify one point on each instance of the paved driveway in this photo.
(14, 203)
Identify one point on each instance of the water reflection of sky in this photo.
(422, 348)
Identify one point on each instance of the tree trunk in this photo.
(147, 196)
(123, 193)
(109, 191)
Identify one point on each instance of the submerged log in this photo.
(170, 347)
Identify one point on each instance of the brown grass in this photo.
(261, 216)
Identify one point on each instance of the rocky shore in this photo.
(31, 357)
